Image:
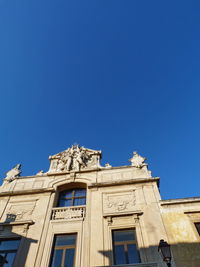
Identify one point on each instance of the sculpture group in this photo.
(75, 158)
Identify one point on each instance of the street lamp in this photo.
(164, 249)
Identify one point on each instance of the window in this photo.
(8, 251)
(125, 247)
(64, 251)
(73, 197)
(197, 225)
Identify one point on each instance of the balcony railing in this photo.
(68, 213)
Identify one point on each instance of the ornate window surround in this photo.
(125, 244)
(50, 242)
(64, 247)
(115, 222)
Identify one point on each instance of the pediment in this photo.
(75, 158)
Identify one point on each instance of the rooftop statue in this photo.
(75, 158)
(137, 160)
(13, 173)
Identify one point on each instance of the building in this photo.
(80, 214)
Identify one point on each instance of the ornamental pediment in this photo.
(75, 158)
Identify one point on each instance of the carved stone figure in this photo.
(13, 173)
(75, 158)
(41, 172)
(107, 165)
(69, 159)
(137, 160)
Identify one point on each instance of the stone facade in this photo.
(125, 197)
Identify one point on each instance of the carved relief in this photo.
(75, 158)
(20, 211)
(118, 202)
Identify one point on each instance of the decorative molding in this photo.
(24, 224)
(125, 182)
(193, 215)
(28, 191)
(136, 216)
(179, 201)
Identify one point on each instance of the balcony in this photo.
(68, 213)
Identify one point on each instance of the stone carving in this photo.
(13, 173)
(68, 213)
(137, 160)
(41, 172)
(118, 202)
(20, 211)
(75, 158)
(107, 165)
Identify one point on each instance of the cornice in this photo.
(179, 201)
(27, 192)
(124, 182)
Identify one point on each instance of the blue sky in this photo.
(118, 76)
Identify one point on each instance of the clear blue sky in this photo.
(113, 75)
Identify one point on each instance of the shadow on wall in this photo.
(14, 247)
(183, 255)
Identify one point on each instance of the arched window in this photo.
(72, 197)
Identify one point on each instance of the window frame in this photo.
(64, 248)
(125, 244)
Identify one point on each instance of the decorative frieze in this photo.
(19, 210)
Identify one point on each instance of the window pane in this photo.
(10, 259)
(198, 227)
(119, 255)
(79, 201)
(65, 202)
(66, 194)
(80, 192)
(9, 244)
(133, 255)
(64, 240)
(124, 235)
(2, 259)
(69, 257)
(57, 258)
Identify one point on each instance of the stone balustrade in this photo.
(68, 213)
